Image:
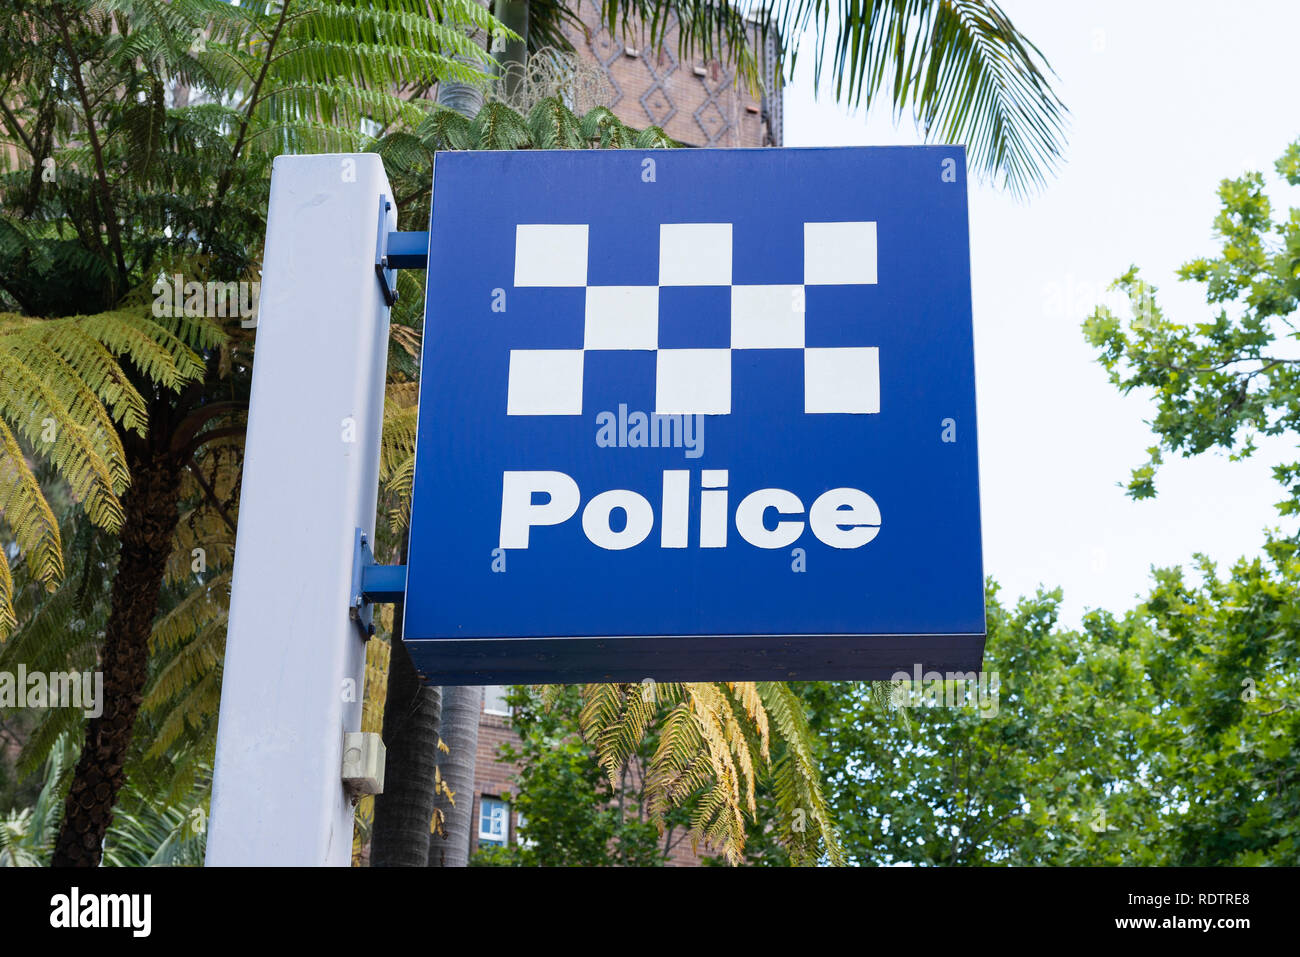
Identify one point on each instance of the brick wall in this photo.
(493, 778)
(697, 103)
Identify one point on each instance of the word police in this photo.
(840, 518)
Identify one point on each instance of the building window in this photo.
(519, 838)
(494, 700)
(493, 817)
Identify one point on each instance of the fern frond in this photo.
(617, 740)
(746, 693)
(398, 443)
(553, 126)
(199, 705)
(797, 779)
(7, 618)
(203, 605)
(197, 658)
(28, 514)
(153, 348)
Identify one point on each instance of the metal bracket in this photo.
(396, 250)
(372, 585)
(385, 272)
(408, 250)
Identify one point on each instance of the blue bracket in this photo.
(372, 585)
(408, 250)
(396, 250)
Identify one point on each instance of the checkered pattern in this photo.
(694, 381)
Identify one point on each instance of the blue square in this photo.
(613, 377)
(537, 318)
(694, 317)
(629, 252)
(847, 316)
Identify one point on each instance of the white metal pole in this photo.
(294, 668)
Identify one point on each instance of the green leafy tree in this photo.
(27, 834)
(67, 401)
(1222, 746)
(571, 813)
(1040, 767)
(1221, 381)
(146, 832)
(1167, 736)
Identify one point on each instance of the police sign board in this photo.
(696, 415)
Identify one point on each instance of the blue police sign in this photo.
(697, 415)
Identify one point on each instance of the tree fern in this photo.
(27, 834)
(716, 745)
(64, 399)
(796, 776)
(158, 141)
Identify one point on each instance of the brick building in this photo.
(493, 820)
(696, 102)
(699, 104)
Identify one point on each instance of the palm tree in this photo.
(68, 401)
(960, 67)
(460, 705)
(145, 832)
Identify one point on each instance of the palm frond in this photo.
(959, 67)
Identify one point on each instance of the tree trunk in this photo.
(461, 708)
(151, 514)
(514, 58)
(465, 98)
(402, 813)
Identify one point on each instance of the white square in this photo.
(695, 254)
(551, 255)
(767, 317)
(839, 254)
(693, 382)
(841, 380)
(622, 317)
(545, 382)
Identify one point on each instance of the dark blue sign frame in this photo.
(696, 415)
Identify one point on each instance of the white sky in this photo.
(1166, 99)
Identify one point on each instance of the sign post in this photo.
(294, 666)
(684, 415)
